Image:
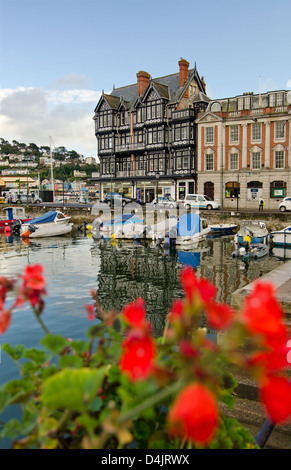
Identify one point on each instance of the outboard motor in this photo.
(15, 227)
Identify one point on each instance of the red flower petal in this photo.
(275, 394)
(220, 315)
(138, 355)
(134, 313)
(191, 285)
(176, 310)
(194, 414)
(5, 318)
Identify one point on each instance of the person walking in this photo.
(261, 204)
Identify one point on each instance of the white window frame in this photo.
(281, 157)
(279, 124)
(256, 154)
(233, 132)
(209, 161)
(207, 136)
(233, 161)
(257, 132)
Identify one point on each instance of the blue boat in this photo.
(254, 231)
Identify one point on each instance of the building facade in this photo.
(165, 136)
(244, 151)
(146, 135)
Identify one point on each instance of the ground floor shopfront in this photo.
(145, 191)
(233, 190)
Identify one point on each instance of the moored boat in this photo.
(223, 229)
(12, 215)
(255, 231)
(50, 224)
(190, 230)
(281, 237)
(254, 250)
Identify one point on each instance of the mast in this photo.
(52, 173)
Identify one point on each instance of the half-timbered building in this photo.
(146, 135)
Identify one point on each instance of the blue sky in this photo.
(56, 56)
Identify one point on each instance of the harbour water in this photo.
(119, 272)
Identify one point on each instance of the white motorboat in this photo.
(124, 226)
(255, 231)
(50, 224)
(190, 230)
(281, 237)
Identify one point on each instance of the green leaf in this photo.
(55, 343)
(4, 400)
(19, 390)
(36, 355)
(74, 389)
(71, 361)
(16, 352)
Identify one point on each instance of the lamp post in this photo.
(157, 195)
(238, 192)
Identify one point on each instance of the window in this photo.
(233, 134)
(278, 189)
(280, 130)
(256, 132)
(180, 132)
(256, 160)
(232, 189)
(209, 162)
(279, 159)
(209, 135)
(233, 161)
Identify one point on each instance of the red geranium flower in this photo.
(138, 353)
(275, 394)
(91, 312)
(262, 313)
(5, 318)
(194, 414)
(220, 315)
(134, 313)
(191, 285)
(33, 286)
(176, 310)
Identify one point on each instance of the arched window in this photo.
(232, 189)
(278, 189)
(254, 190)
(209, 189)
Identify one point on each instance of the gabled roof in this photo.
(112, 101)
(168, 87)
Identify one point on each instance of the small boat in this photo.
(189, 231)
(123, 226)
(281, 237)
(12, 215)
(255, 231)
(159, 230)
(223, 229)
(254, 250)
(50, 224)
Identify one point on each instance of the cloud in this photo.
(31, 115)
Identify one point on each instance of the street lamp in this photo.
(237, 192)
(157, 196)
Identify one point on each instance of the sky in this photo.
(57, 56)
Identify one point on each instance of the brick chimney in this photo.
(184, 70)
(143, 80)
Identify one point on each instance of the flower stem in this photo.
(151, 401)
(45, 329)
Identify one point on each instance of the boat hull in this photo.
(281, 237)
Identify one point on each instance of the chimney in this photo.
(143, 80)
(184, 66)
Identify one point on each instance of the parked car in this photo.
(23, 199)
(200, 201)
(164, 201)
(119, 198)
(285, 204)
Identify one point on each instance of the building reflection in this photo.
(128, 271)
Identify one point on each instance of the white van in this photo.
(200, 201)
